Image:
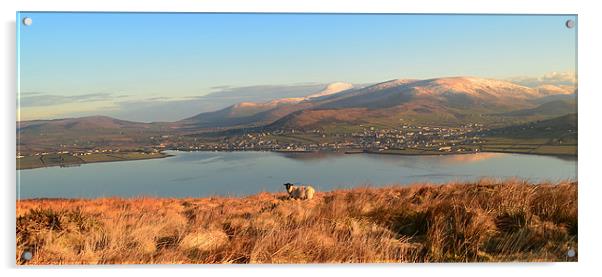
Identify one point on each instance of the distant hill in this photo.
(255, 114)
(73, 133)
(443, 98)
(558, 127)
(572, 97)
(454, 91)
(449, 100)
(80, 123)
(555, 107)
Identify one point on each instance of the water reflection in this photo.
(198, 174)
(311, 156)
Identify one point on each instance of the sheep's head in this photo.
(288, 186)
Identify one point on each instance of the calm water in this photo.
(197, 174)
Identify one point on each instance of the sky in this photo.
(166, 66)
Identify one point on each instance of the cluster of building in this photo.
(444, 139)
(420, 137)
(369, 138)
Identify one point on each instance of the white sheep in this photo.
(300, 192)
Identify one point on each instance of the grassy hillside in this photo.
(486, 221)
(553, 136)
(85, 133)
(552, 108)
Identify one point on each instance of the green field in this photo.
(49, 160)
(541, 146)
(29, 162)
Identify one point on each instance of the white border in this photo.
(589, 130)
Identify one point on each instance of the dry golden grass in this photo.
(484, 221)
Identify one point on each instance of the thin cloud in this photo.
(177, 108)
(220, 87)
(164, 108)
(36, 99)
(551, 78)
(261, 92)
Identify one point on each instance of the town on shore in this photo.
(404, 140)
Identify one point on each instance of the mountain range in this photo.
(453, 98)
(439, 101)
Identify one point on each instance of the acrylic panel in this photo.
(201, 138)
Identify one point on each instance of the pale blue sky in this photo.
(110, 58)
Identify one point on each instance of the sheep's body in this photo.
(300, 192)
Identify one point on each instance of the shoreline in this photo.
(461, 153)
(346, 152)
(161, 155)
(476, 182)
(359, 151)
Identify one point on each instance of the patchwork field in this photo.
(48, 160)
(529, 146)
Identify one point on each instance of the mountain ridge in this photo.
(453, 99)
